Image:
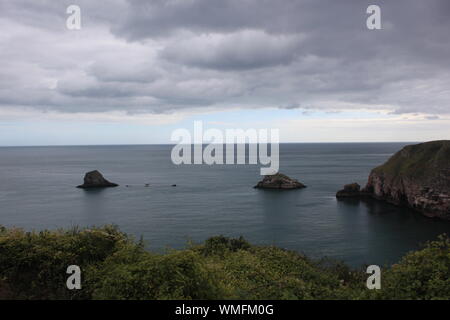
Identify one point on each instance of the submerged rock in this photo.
(94, 179)
(418, 177)
(279, 181)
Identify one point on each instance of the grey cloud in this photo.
(125, 72)
(166, 55)
(248, 49)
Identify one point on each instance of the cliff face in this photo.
(418, 176)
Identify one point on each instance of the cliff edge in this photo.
(417, 176)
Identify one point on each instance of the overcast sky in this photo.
(139, 69)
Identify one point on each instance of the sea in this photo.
(38, 191)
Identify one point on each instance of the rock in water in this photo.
(418, 176)
(350, 190)
(94, 179)
(279, 181)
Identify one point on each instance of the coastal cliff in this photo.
(418, 176)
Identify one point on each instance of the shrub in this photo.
(33, 266)
(177, 275)
(422, 274)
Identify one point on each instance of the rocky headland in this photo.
(94, 179)
(279, 181)
(417, 176)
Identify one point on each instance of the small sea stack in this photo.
(94, 179)
(351, 190)
(279, 181)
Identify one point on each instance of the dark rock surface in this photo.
(349, 191)
(94, 179)
(279, 181)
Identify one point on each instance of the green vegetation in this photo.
(33, 266)
(421, 160)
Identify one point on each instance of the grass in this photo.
(418, 161)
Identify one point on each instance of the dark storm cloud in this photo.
(239, 51)
(162, 17)
(165, 55)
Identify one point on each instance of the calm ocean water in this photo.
(38, 191)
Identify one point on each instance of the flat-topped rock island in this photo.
(279, 181)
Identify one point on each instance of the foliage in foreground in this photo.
(33, 266)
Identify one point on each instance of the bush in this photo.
(33, 266)
(177, 275)
(422, 274)
(221, 244)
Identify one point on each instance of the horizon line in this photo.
(168, 144)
